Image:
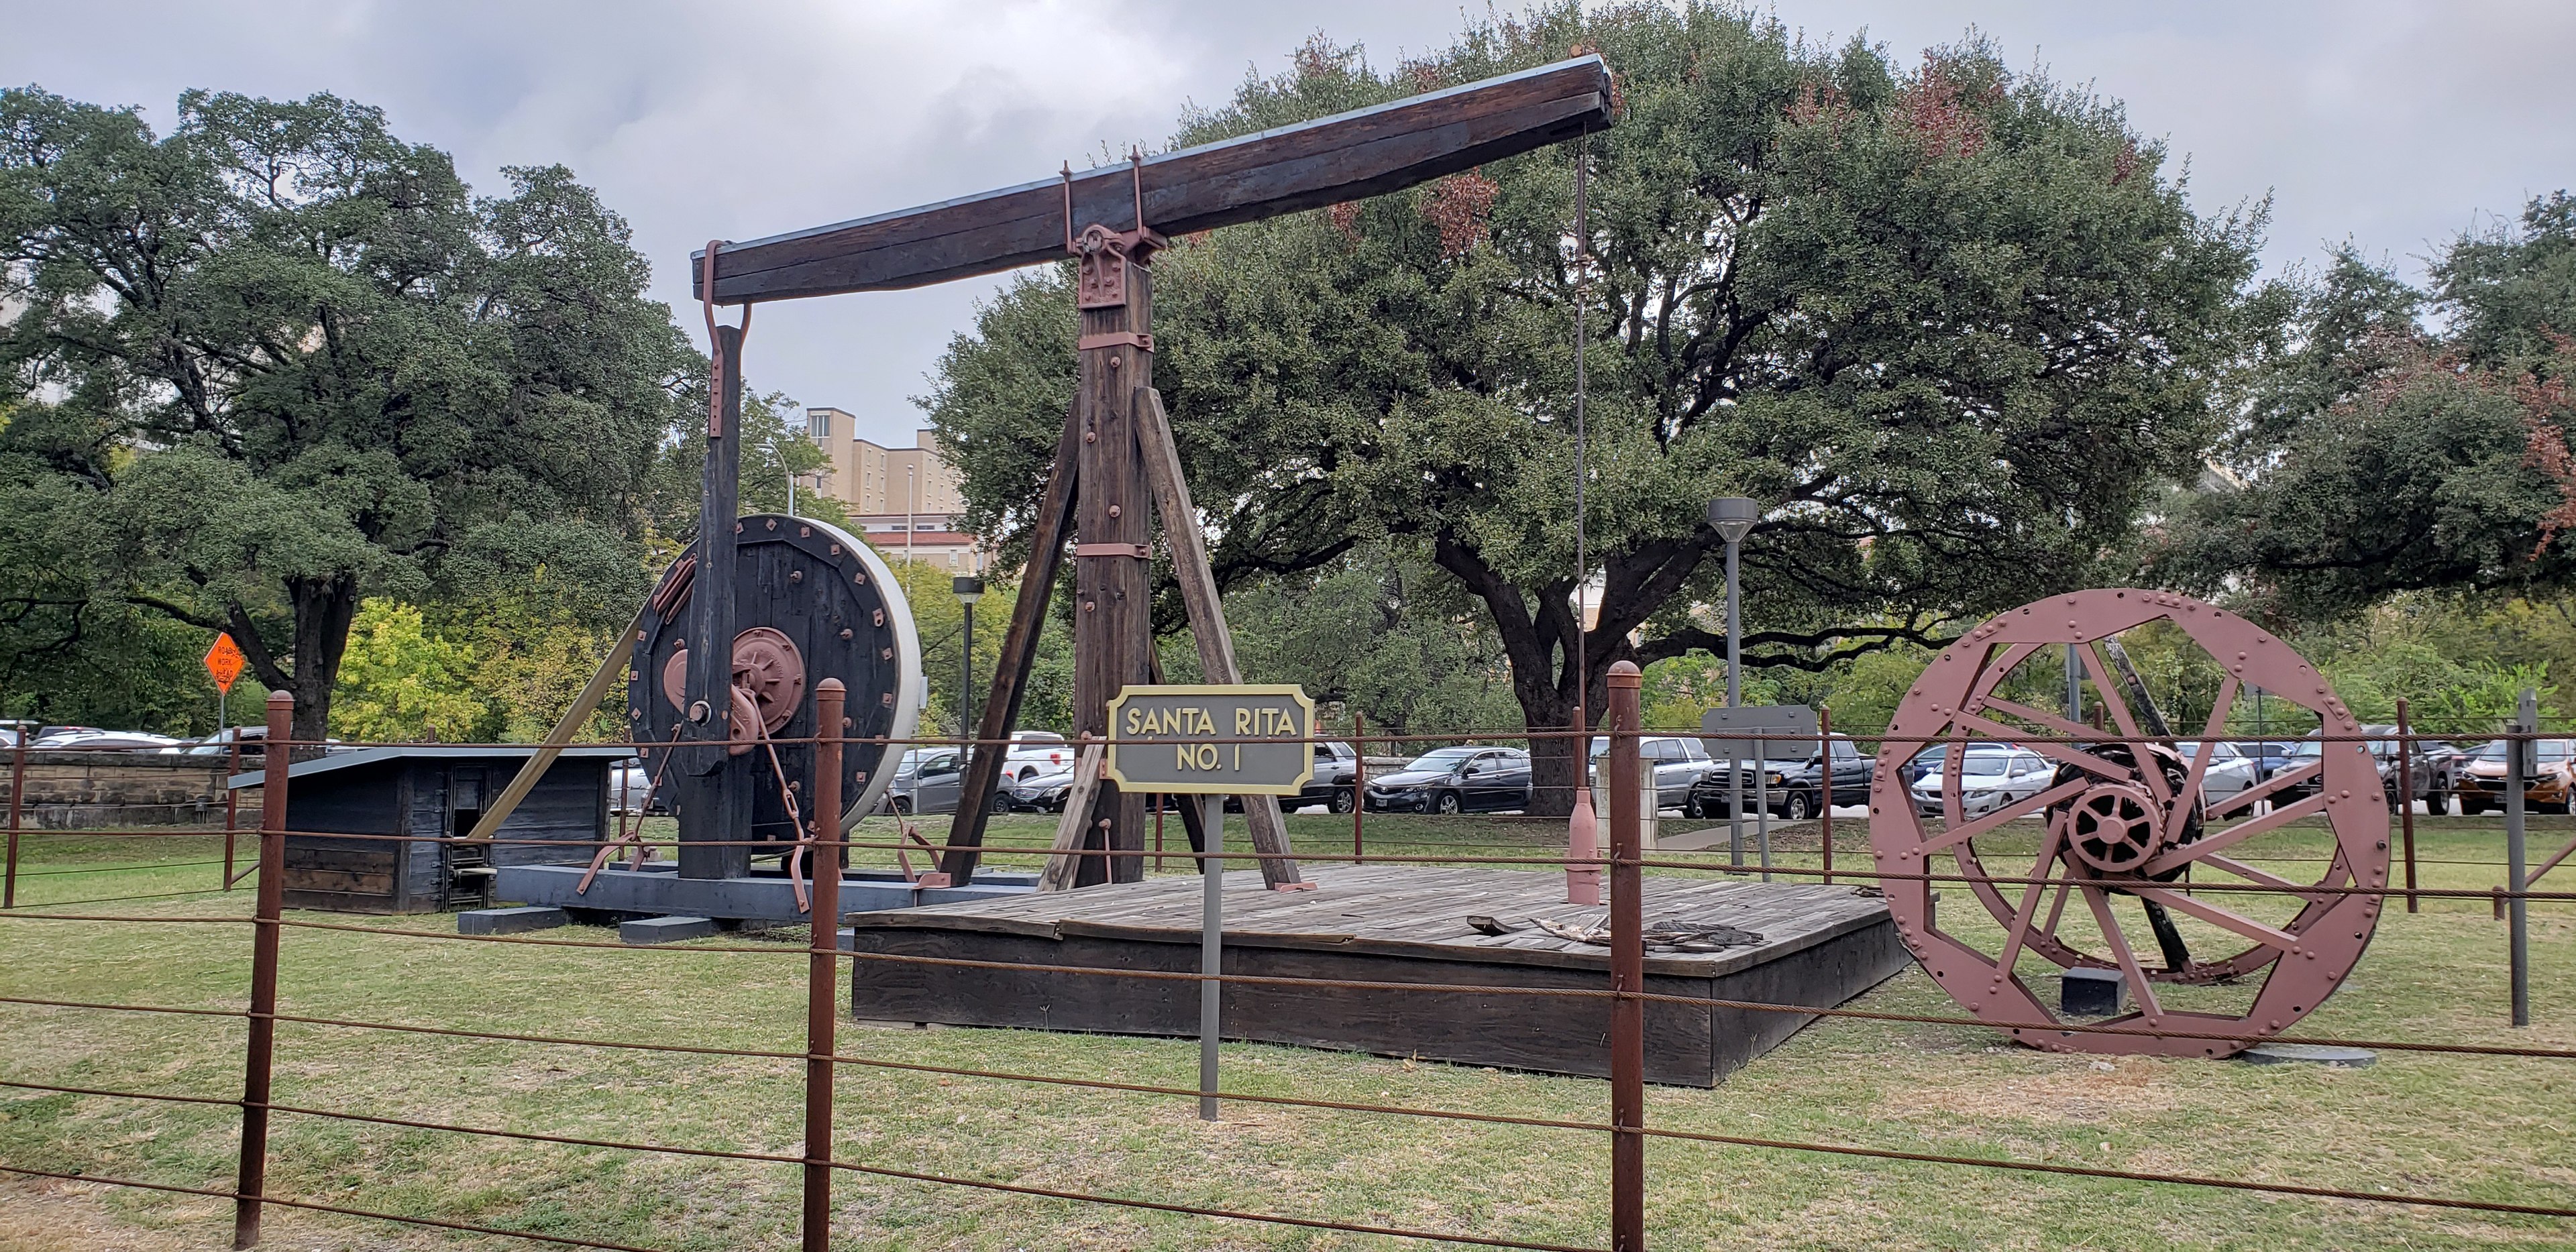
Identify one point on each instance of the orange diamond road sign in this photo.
(224, 662)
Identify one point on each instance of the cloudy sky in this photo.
(2394, 123)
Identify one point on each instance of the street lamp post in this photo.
(969, 590)
(1733, 517)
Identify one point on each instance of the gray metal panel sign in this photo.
(1777, 720)
(1212, 740)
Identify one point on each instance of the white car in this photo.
(1996, 775)
(1035, 752)
(2230, 771)
(114, 740)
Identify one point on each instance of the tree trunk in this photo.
(324, 608)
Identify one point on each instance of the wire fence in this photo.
(1622, 997)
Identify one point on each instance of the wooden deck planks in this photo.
(1420, 912)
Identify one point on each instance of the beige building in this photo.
(904, 501)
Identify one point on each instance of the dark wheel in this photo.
(902, 805)
(1344, 799)
(1798, 807)
(1449, 802)
(1691, 807)
(2437, 803)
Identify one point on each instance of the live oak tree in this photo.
(1953, 327)
(2376, 454)
(279, 359)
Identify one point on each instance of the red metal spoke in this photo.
(2099, 901)
(2118, 704)
(2039, 870)
(2044, 721)
(2224, 919)
(2010, 811)
(2061, 753)
(2236, 834)
(2251, 874)
(2180, 814)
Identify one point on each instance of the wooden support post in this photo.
(2406, 796)
(1627, 966)
(823, 964)
(1073, 831)
(1188, 544)
(1825, 790)
(715, 787)
(1113, 629)
(1019, 654)
(258, 1053)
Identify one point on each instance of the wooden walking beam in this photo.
(1188, 544)
(1019, 653)
(1348, 156)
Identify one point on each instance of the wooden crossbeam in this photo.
(1348, 156)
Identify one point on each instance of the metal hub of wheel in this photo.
(2122, 829)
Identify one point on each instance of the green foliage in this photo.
(278, 360)
(399, 682)
(1388, 638)
(774, 445)
(1954, 324)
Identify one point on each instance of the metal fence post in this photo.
(1211, 949)
(277, 758)
(1825, 789)
(1359, 782)
(1627, 968)
(823, 965)
(232, 803)
(2524, 753)
(17, 806)
(2406, 797)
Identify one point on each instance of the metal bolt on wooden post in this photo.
(2406, 797)
(277, 758)
(17, 806)
(1825, 789)
(1627, 967)
(823, 964)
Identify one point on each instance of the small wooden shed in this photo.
(431, 793)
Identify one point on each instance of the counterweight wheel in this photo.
(2114, 857)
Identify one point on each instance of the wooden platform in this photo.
(1820, 945)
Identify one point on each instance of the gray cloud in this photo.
(2394, 124)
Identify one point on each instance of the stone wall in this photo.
(81, 790)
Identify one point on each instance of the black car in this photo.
(1795, 789)
(1455, 780)
(1335, 765)
(2433, 769)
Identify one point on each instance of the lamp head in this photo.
(969, 590)
(1733, 516)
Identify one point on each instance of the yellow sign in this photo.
(1243, 740)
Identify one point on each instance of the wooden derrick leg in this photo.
(1207, 611)
(1112, 619)
(1019, 653)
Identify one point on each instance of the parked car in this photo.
(2230, 771)
(1678, 762)
(221, 743)
(1996, 774)
(2481, 784)
(1795, 789)
(1035, 752)
(2436, 776)
(1335, 765)
(2268, 755)
(630, 789)
(85, 739)
(1455, 780)
(1927, 761)
(927, 780)
(1038, 793)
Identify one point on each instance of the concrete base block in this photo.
(510, 921)
(2309, 1054)
(645, 930)
(2090, 992)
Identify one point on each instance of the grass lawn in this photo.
(2488, 1128)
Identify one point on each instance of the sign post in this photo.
(1735, 735)
(1215, 742)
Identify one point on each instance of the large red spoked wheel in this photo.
(2107, 855)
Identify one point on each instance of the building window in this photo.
(818, 423)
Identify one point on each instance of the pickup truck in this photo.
(1795, 789)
